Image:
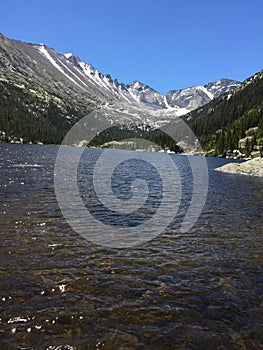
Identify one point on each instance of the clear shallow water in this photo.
(199, 290)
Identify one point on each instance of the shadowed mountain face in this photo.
(45, 78)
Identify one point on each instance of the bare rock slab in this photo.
(251, 167)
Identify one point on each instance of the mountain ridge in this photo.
(59, 89)
(85, 77)
(140, 91)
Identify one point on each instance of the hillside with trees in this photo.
(26, 117)
(232, 125)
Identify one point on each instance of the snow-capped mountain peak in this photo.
(72, 58)
(145, 94)
(67, 55)
(197, 96)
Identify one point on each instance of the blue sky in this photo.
(166, 44)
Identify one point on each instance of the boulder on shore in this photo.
(251, 167)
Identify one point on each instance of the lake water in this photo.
(202, 289)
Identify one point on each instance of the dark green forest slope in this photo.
(27, 117)
(232, 124)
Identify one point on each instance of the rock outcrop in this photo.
(251, 167)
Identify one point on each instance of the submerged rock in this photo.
(251, 167)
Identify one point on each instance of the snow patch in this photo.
(167, 104)
(43, 50)
(68, 55)
(208, 93)
(73, 73)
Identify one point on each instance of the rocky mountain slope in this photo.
(43, 93)
(197, 96)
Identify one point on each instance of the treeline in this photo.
(223, 122)
(121, 133)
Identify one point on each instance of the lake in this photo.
(199, 289)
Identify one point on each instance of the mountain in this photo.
(232, 125)
(197, 96)
(44, 93)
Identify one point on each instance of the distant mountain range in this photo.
(43, 93)
(63, 82)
